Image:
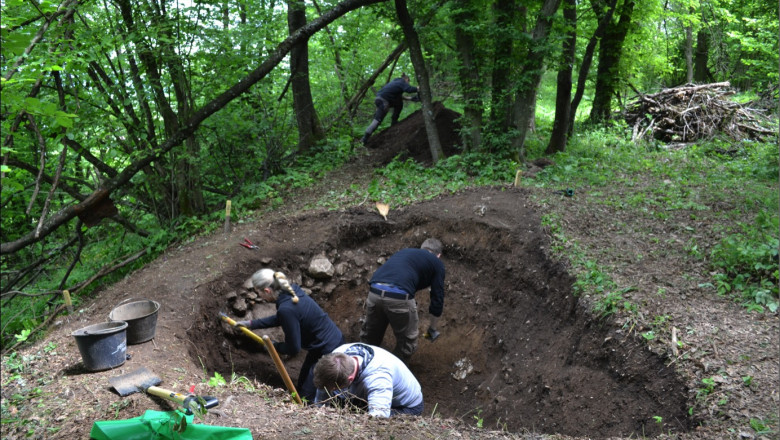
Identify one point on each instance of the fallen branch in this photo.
(103, 272)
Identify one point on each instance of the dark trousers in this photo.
(400, 314)
(382, 107)
(306, 389)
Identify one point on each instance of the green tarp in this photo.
(162, 425)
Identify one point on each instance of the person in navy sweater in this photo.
(305, 325)
(390, 96)
(391, 297)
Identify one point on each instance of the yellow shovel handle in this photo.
(166, 394)
(245, 330)
(280, 366)
(269, 346)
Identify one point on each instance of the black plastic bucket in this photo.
(103, 345)
(141, 319)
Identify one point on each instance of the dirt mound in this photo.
(408, 138)
(515, 351)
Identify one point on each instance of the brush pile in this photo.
(693, 112)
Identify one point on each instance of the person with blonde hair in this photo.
(305, 325)
(370, 375)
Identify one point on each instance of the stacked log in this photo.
(694, 112)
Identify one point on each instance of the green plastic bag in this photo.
(164, 425)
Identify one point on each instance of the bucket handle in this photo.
(109, 315)
(126, 300)
(102, 331)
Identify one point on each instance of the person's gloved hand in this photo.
(245, 323)
(416, 98)
(432, 334)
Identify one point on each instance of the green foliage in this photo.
(708, 386)
(21, 337)
(684, 183)
(243, 381)
(403, 182)
(747, 268)
(216, 380)
(480, 420)
(762, 427)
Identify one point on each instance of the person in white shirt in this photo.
(369, 374)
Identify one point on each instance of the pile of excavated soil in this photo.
(515, 349)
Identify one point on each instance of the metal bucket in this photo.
(141, 318)
(102, 346)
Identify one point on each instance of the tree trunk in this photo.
(309, 126)
(587, 59)
(524, 108)
(559, 135)
(501, 95)
(423, 83)
(189, 190)
(469, 76)
(689, 53)
(177, 180)
(607, 78)
(701, 73)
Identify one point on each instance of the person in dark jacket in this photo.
(305, 325)
(391, 95)
(391, 297)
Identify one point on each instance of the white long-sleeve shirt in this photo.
(382, 380)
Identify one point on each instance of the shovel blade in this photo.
(136, 381)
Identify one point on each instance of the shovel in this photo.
(143, 380)
(266, 342)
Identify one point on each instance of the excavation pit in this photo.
(518, 350)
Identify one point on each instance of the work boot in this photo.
(364, 139)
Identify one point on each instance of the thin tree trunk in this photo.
(559, 136)
(524, 108)
(587, 59)
(701, 73)
(415, 52)
(338, 65)
(500, 110)
(309, 126)
(469, 75)
(689, 52)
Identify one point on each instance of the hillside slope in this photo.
(520, 355)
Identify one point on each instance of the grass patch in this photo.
(735, 188)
